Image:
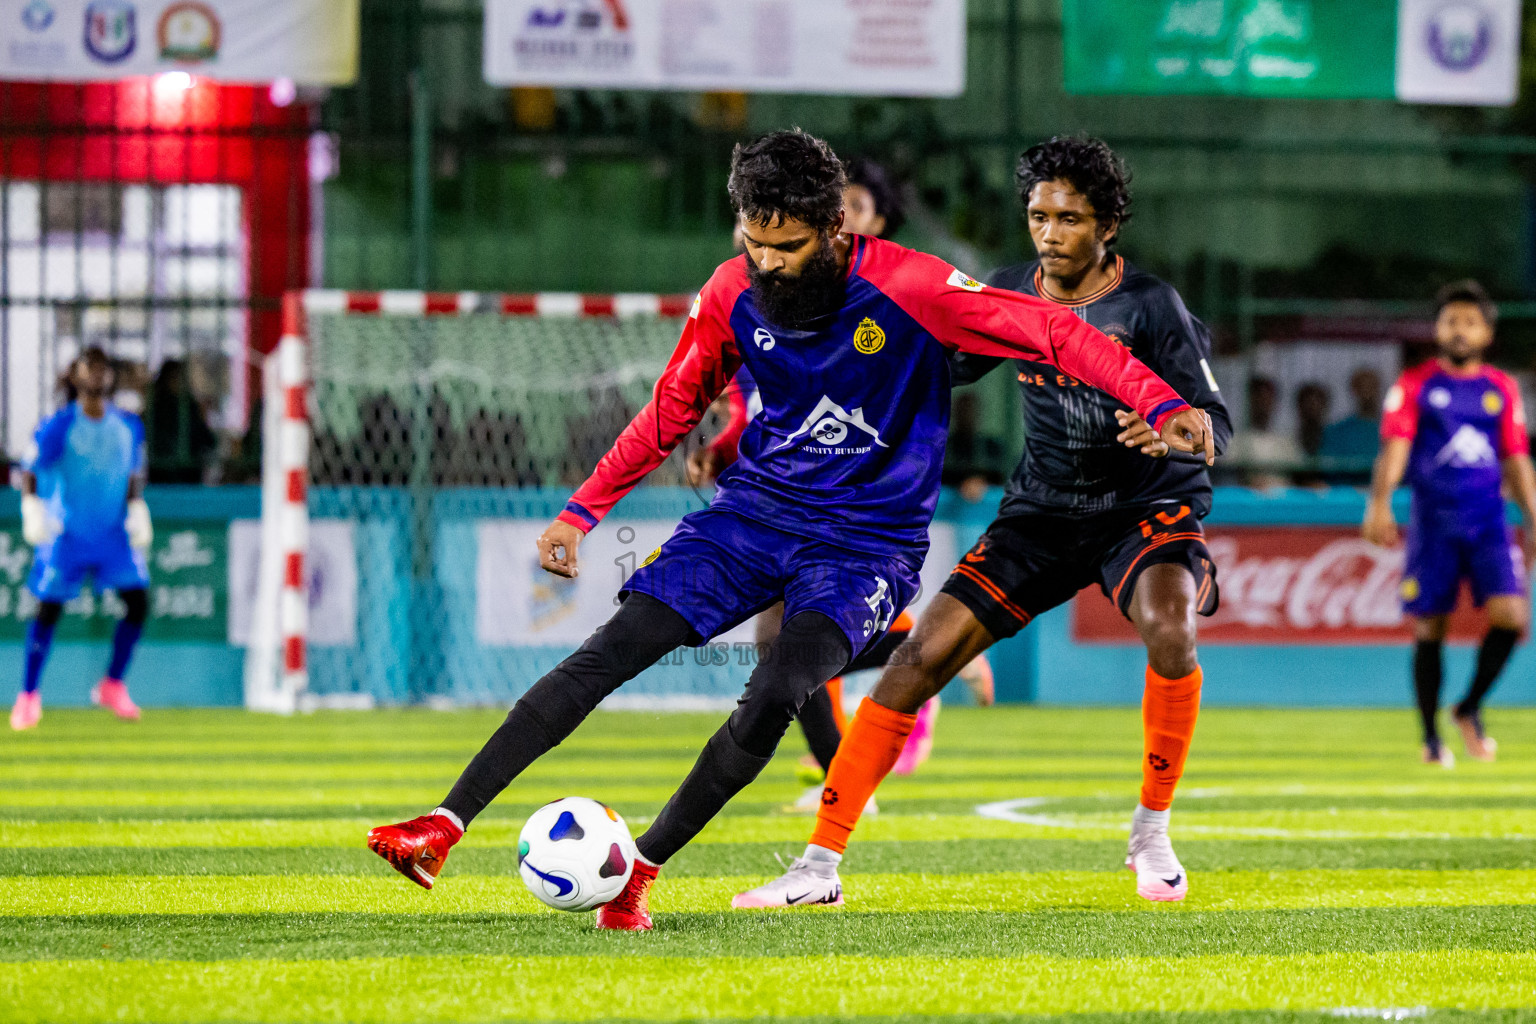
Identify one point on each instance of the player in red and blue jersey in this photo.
(1456, 428)
(82, 510)
(826, 508)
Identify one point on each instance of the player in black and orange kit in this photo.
(1084, 506)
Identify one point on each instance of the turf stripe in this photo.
(594, 988)
(975, 856)
(930, 933)
(1017, 892)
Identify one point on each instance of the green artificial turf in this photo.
(209, 866)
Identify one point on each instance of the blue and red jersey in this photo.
(849, 444)
(1462, 426)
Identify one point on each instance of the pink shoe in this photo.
(28, 711)
(977, 677)
(920, 742)
(112, 694)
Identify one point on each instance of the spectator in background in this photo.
(1351, 443)
(179, 439)
(1312, 402)
(872, 201)
(1264, 455)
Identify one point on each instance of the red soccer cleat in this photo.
(417, 848)
(630, 910)
(112, 694)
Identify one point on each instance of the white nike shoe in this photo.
(807, 883)
(810, 802)
(1159, 875)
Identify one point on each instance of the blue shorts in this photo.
(1438, 560)
(60, 568)
(719, 569)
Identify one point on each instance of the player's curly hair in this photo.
(1467, 290)
(882, 189)
(95, 355)
(787, 175)
(1089, 165)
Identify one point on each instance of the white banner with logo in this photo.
(874, 47)
(309, 41)
(331, 565)
(1458, 51)
(518, 604)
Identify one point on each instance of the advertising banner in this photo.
(188, 563)
(880, 47)
(330, 564)
(310, 41)
(1417, 51)
(1292, 586)
(518, 604)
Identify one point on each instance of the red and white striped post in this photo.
(293, 512)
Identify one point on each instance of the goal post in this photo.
(413, 444)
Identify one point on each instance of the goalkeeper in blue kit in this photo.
(82, 508)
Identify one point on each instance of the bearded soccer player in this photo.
(826, 509)
(82, 509)
(871, 206)
(1456, 427)
(1083, 507)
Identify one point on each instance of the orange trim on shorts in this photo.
(903, 623)
(1203, 592)
(995, 591)
(1167, 538)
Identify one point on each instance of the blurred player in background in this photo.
(1083, 507)
(871, 206)
(826, 509)
(82, 509)
(1456, 427)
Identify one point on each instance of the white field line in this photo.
(1018, 811)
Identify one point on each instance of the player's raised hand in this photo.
(1138, 433)
(1190, 431)
(1379, 527)
(557, 549)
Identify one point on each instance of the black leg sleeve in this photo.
(638, 635)
(1496, 649)
(820, 727)
(1426, 684)
(810, 650)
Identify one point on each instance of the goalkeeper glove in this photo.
(140, 532)
(36, 530)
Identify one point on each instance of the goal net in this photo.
(414, 447)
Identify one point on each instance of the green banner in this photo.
(188, 589)
(1312, 49)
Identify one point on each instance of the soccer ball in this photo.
(575, 854)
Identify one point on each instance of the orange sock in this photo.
(1169, 708)
(835, 692)
(869, 749)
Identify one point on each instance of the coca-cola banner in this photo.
(1290, 585)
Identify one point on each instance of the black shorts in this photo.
(1028, 564)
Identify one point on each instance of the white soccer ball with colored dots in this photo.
(575, 854)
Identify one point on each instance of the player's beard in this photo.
(792, 302)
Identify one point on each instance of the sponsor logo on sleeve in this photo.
(960, 279)
(1394, 400)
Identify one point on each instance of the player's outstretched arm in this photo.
(702, 364)
(962, 313)
(1379, 527)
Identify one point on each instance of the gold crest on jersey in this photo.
(869, 338)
